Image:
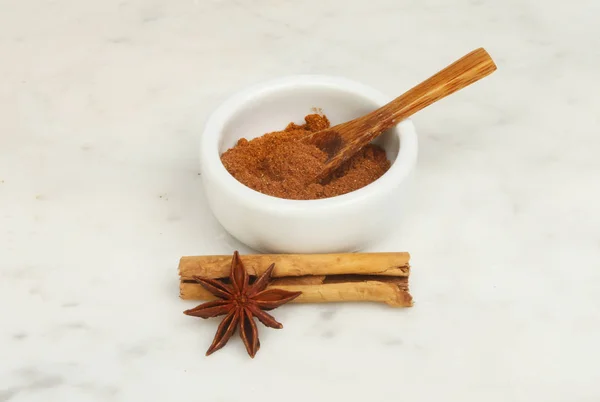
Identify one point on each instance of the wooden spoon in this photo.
(344, 140)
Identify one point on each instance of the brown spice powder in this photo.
(278, 164)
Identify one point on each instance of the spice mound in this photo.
(278, 164)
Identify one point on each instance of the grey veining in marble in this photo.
(101, 108)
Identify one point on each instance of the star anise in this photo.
(240, 302)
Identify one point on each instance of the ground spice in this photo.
(278, 164)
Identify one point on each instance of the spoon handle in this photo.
(465, 71)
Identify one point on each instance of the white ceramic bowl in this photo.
(345, 223)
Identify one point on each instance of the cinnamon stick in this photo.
(322, 278)
(218, 266)
(321, 289)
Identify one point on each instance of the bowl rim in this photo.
(213, 168)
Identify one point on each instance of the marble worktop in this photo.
(101, 109)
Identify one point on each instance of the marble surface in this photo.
(101, 108)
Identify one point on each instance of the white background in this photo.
(101, 109)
